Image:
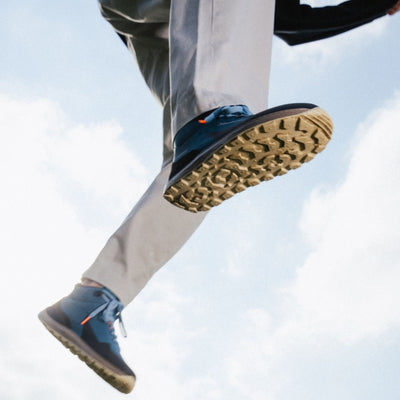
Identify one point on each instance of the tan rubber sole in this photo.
(258, 154)
(123, 383)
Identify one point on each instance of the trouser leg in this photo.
(220, 53)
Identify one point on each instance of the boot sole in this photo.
(117, 379)
(258, 154)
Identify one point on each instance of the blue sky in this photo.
(289, 290)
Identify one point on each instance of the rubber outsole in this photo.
(121, 382)
(257, 154)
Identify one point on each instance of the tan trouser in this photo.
(195, 55)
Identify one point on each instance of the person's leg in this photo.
(145, 241)
(152, 233)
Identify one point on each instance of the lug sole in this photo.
(121, 382)
(258, 154)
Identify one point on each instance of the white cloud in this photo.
(98, 161)
(49, 167)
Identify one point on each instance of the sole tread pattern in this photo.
(259, 154)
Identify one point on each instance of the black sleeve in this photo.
(297, 23)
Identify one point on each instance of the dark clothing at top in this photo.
(297, 23)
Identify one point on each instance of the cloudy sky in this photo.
(287, 291)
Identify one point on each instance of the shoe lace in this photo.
(111, 310)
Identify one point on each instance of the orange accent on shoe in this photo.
(85, 320)
(202, 121)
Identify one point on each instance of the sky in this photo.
(288, 290)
